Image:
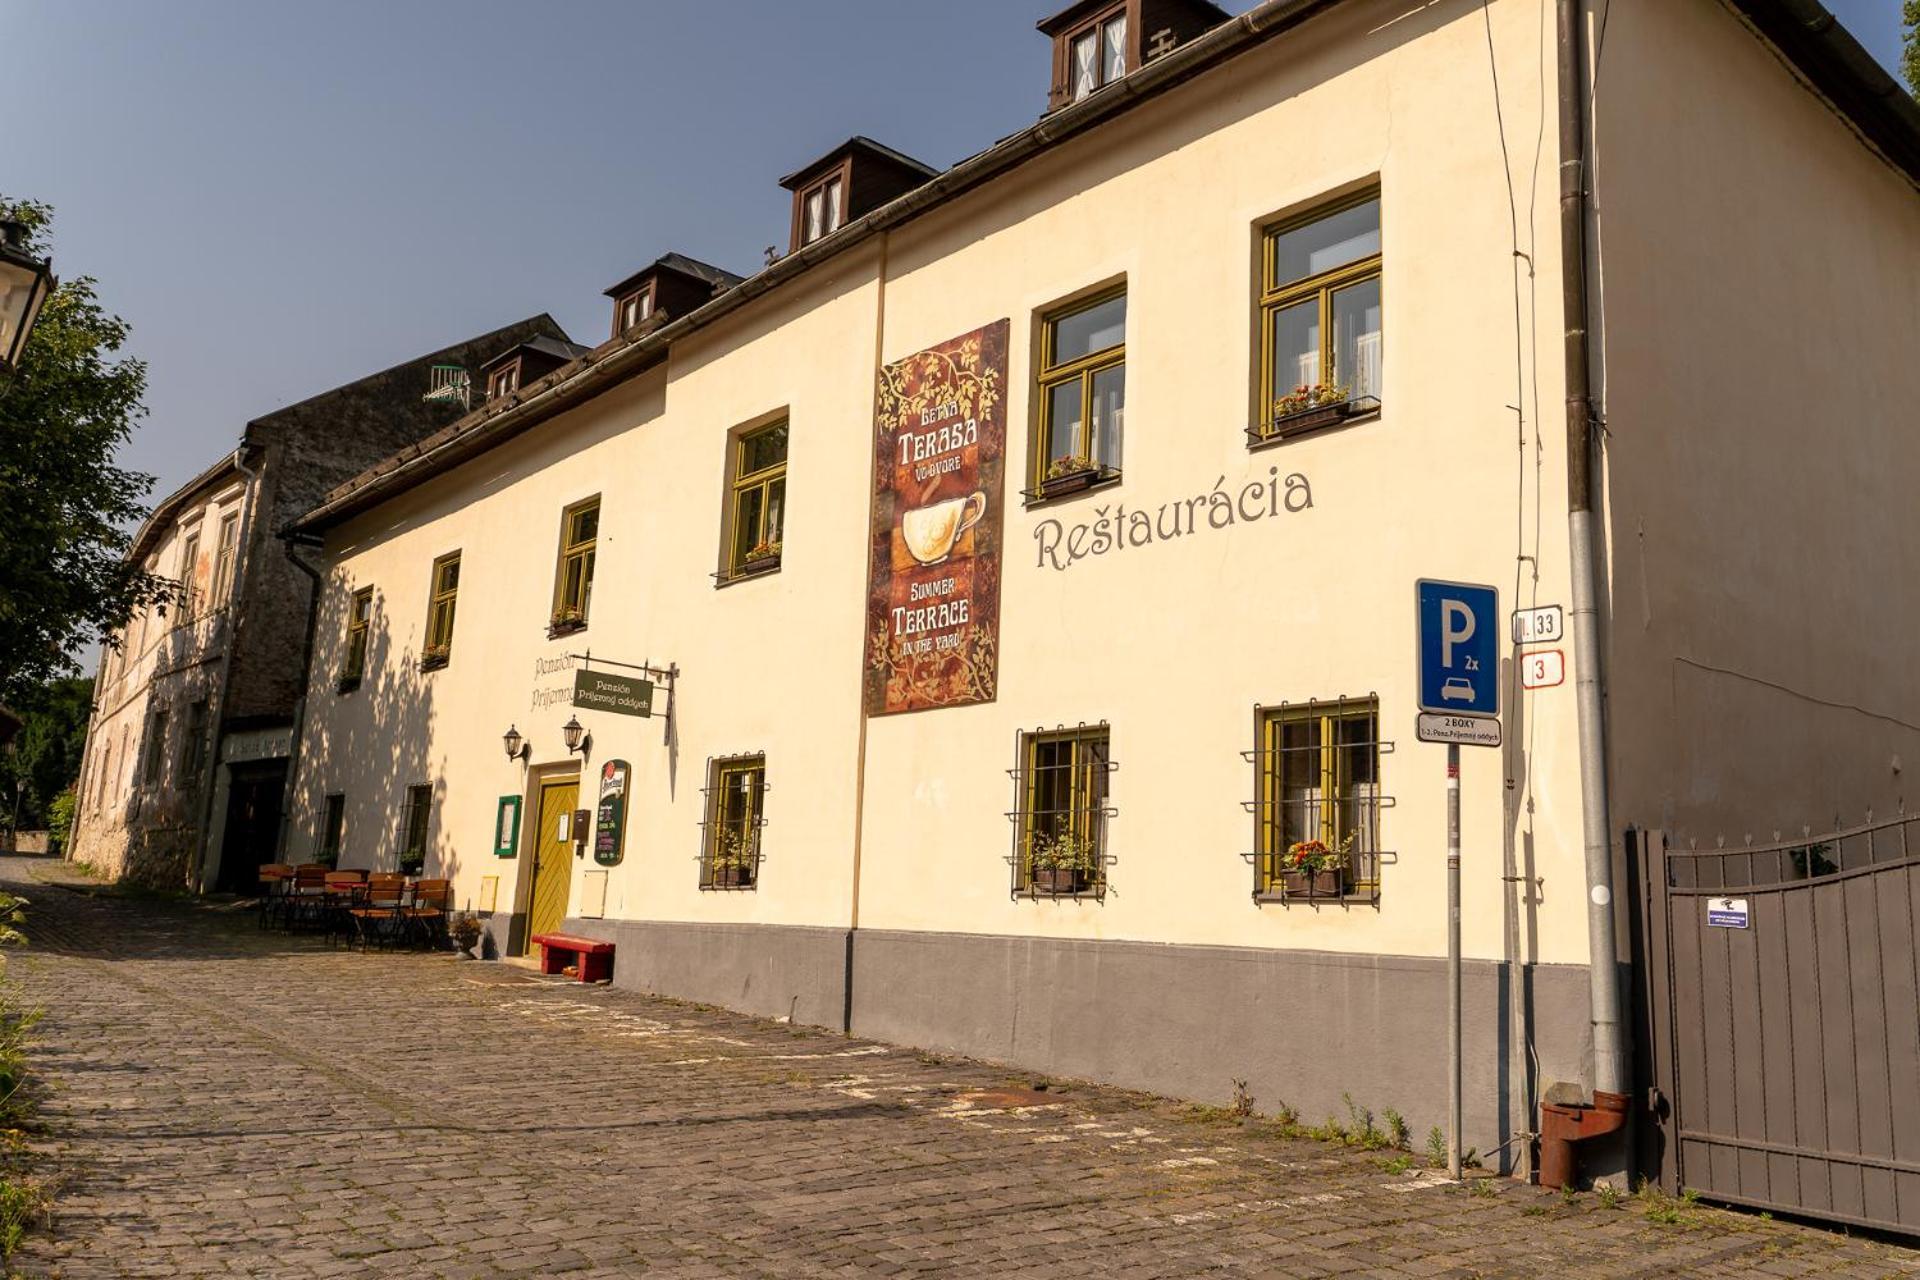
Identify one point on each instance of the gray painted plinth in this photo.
(774, 971)
(1303, 1028)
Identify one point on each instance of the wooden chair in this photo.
(273, 886)
(426, 916)
(343, 892)
(306, 895)
(377, 916)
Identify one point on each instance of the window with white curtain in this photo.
(1321, 317)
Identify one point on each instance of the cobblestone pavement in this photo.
(230, 1103)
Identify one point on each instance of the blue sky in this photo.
(281, 198)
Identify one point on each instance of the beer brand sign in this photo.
(933, 593)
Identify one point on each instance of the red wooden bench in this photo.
(592, 958)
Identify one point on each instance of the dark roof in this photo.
(865, 145)
(482, 340)
(1809, 36)
(214, 478)
(1053, 24)
(718, 277)
(562, 351)
(1845, 74)
(225, 470)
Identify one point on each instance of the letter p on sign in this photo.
(1459, 648)
(1456, 628)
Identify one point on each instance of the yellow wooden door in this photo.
(553, 856)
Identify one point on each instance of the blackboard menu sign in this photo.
(610, 822)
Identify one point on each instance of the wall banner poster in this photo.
(610, 823)
(933, 584)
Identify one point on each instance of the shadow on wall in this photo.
(368, 744)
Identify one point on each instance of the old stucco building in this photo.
(186, 755)
(1022, 568)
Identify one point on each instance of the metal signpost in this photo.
(1459, 680)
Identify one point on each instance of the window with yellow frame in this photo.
(1081, 392)
(1317, 815)
(1320, 317)
(359, 620)
(573, 580)
(1060, 829)
(736, 813)
(757, 501)
(442, 593)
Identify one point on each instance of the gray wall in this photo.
(1303, 1028)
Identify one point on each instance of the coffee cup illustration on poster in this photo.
(933, 599)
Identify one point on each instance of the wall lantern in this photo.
(575, 736)
(516, 746)
(25, 282)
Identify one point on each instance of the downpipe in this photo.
(1610, 1074)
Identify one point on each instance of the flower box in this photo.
(761, 564)
(1311, 884)
(729, 876)
(1059, 881)
(565, 625)
(1310, 409)
(432, 661)
(346, 684)
(1069, 482)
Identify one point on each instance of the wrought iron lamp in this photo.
(575, 735)
(516, 746)
(25, 282)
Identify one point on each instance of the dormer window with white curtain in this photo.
(823, 207)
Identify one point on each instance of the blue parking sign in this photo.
(1459, 648)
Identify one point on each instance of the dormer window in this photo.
(635, 308)
(1099, 42)
(503, 381)
(823, 208)
(1097, 53)
(847, 184)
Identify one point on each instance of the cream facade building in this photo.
(1200, 648)
(184, 775)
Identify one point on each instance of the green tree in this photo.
(45, 754)
(72, 403)
(1910, 59)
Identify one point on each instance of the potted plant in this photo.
(346, 682)
(763, 555)
(733, 860)
(412, 861)
(1309, 405)
(465, 931)
(434, 656)
(1064, 862)
(566, 621)
(1312, 868)
(1068, 473)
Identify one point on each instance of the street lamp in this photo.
(515, 745)
(572, 733)
(25, 282)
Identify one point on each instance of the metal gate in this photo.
(1780, 1005)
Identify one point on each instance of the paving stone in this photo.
(226, 1102)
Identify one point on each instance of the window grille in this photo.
(1317, 801)
(1062, 798)
(731, 832)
